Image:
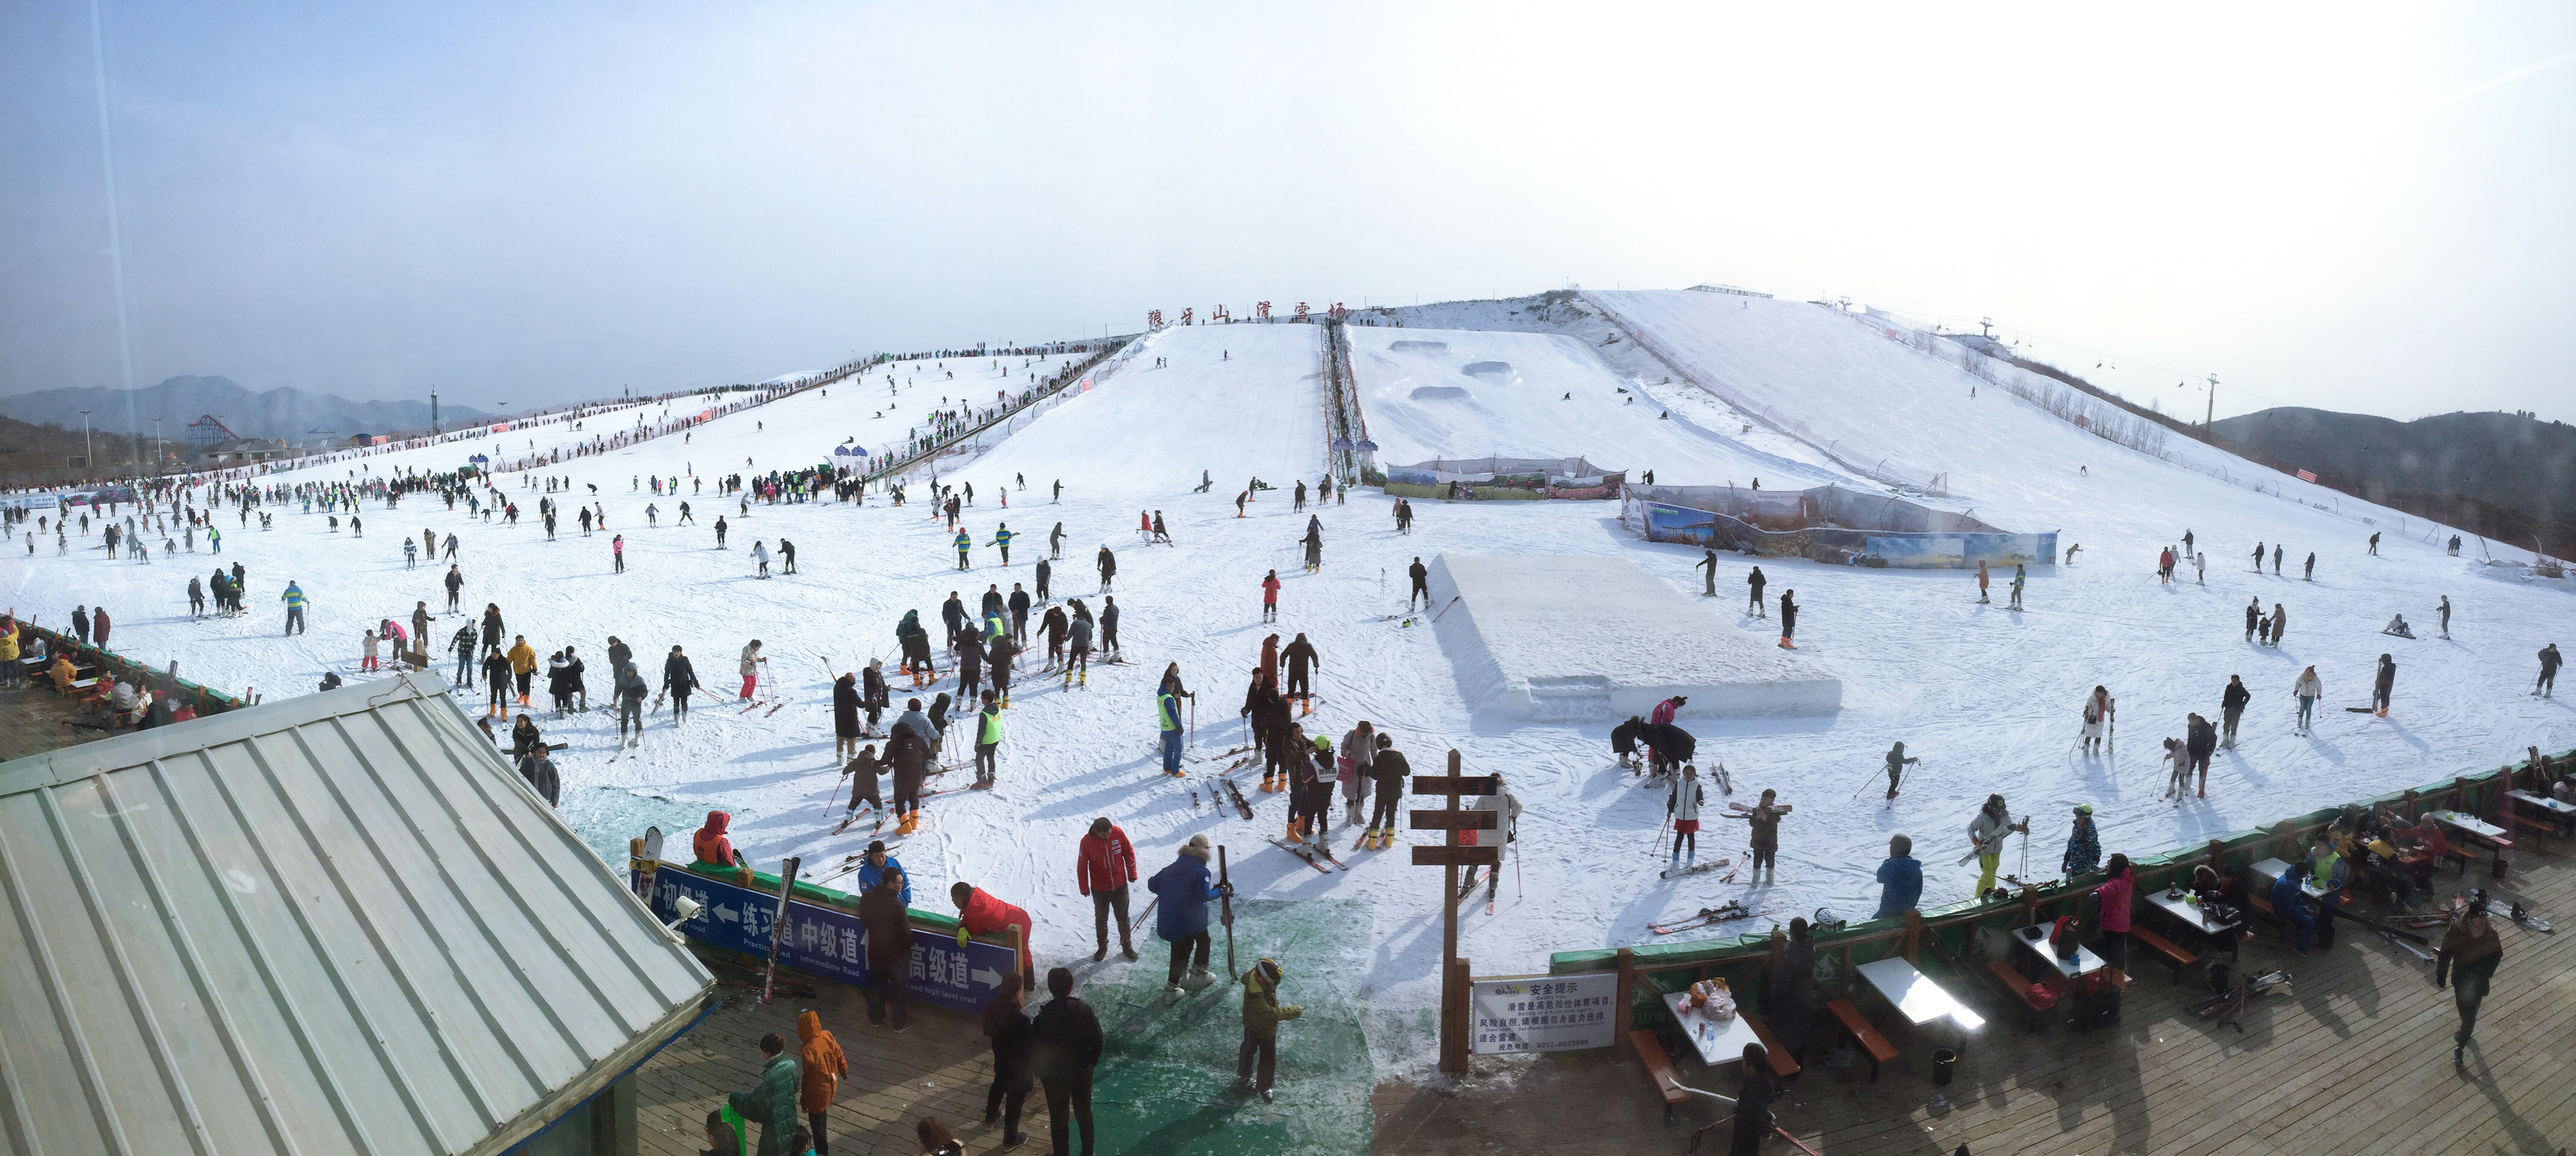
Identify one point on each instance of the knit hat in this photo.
(1198, 845)
(1269, 971)
(1100, 827)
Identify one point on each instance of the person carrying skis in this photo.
(679, 678)
(2083, 845)
(1681, 805)
(2383, 685)
(1270, 597)
(2231, 707)
(1002, 539)
(1103, 867)
(1753, 582)
(1183, 890)
(1986, 833)
(2098, 709)
(1897, 761)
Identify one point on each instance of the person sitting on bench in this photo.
(62, 675)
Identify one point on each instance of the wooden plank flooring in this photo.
(31, 723)
(2353, 1058)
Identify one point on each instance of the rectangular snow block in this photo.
(1550, 638)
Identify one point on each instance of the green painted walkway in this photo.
(1167, 1083)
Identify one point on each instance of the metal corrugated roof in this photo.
(333, 923)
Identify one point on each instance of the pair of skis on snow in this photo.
(1726, 912)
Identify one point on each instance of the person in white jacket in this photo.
(760, 557)
(2307, 690)
(1509, 807)
(1993, 822)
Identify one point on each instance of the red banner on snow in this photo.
(2305, 476)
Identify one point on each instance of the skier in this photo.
(2258, 557)
(1765, 820)
(1184, 890)
(1107, 563)
(1788, 618)
(760, 558)
(2280, 622)
(1681, 805)
(1708, 580)
(2397, 626)
(1507, 810)
(2164, 566)
(1258, 1061)
(1019, 603)
(2098, 709)
(1167, 717)
(1053, 628)
(630, 703)
(463, 644)
(1986, 832)
(999, 658)
(1421, 576)
(1351, 770)
(1079, 652)
(2446, 616)
(1298, 656)
(2547, 685)
(294, 599)
(2383, 685)
(1108, 625)
(750, 669)
(911, 745)
(2307, 690)
(2467, 963)
(679, 677)
(2276, 559)
(2083, 845)
(915, 643)
(1393, 775)
(2231, 707)
(2021, 578)
(1002, 539)
(1161, 535)
(1897, 761)
(1270, 597)
(1103, 866)
(872, 692)
(964, 543)
(455, 582)
(988, 742)
(1314, 543)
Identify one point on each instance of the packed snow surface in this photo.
(1986, 696)
(1455, 393)
(1588, 639)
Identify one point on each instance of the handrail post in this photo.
(1626, 992)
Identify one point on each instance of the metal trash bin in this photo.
(1943, 1061)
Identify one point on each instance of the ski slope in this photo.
(1987, 697)
(1455, 393)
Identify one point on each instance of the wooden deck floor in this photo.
(32, 722)
(2354, 1058)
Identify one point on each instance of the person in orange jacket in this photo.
(821, 1074)
(710, 842)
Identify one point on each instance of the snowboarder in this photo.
(1788, 618)
(2383, 685)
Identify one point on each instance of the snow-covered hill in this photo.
(1986, 696)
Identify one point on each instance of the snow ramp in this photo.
(1237, 401)
(1432, 394)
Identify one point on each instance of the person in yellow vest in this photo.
(988, 741)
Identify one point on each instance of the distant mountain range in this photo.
(289, 416)
(2439, 466)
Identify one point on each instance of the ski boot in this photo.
(1368, 838)
(1297, 830)
(1385, 839)
(1171, 993)
(1198, 979)
(1084, 680)
(1268, 781)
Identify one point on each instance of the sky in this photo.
(2362, 208)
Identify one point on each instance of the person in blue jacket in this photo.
(875, 866)
(1183, 891)
(2291, 904)
(1902, 876)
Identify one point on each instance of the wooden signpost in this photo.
(1449, 856)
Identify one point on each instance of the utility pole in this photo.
(433, 411)
(89, 450)
(2212, 415)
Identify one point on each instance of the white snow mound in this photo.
(1557, 638)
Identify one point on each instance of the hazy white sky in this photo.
(2357, 207)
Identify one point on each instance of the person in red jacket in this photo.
(1270, 597)
(978, 913)
(710, 842)
(1106, 867)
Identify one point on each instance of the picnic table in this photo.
(1916, 997)
(2473, 827)
(2561, 815)
(2034, 939)
(2269, 872)
(1718, 1041)
(2192, 915)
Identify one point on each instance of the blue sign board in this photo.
(829, 942)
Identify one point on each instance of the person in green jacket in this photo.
(1262, 1014)
(988, 739)
(772, 1104)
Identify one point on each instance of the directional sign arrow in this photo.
(986, 976)
(728, 914)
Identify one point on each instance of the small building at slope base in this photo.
(1570, 638)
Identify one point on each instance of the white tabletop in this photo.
(1915, 996)
(2035, 939)
(2269, 871)
(2189, 912)
(1723, 1042)
(2469, 823)
(2546, 802)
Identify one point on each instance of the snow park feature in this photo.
(1433, 394)
(1987, 696)
(1827, 524)
(1574, 639)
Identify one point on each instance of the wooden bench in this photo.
(2020, 990)
(1659, 1067)
(2172, 954)
(1783, 1064)
(1863, 1036)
